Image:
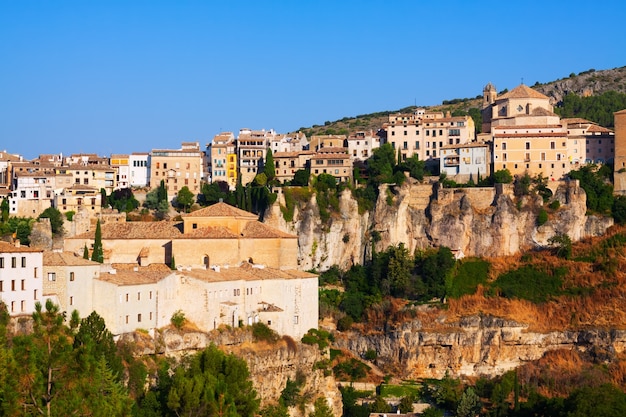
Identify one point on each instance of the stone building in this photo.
(177, 168)
(20, 278)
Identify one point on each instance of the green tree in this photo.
(85, 252)
(97, 254)
(152, 199)
(95, 340)
(56, 219)
(562, 245)
(4, 209)
(619, 209)
(212, 383)
(162, 192)
(269, 169)
(502, 176)
(185, 198)
(123, 200)
(469, 404)
(301, 178)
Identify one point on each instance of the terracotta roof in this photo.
(598, 129)
(576, 120)
(211, 232)
(522, 127)
(620, 112)
(256, 229)
(530, 135)
(6, 247)
(131, 274)
(245, 272)
(220, 210)
(522, 91)
(66, 259)
(540, 111)
(137, 230)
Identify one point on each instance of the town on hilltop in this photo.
(220, 265)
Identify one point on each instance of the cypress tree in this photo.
(98, 253)
(85, 253)
(269, 169)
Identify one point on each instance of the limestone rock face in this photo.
(472, 221)
(475, 346)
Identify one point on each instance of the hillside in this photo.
(586, 83)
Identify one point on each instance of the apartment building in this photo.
(221, 159)
(32, 193)
(287, 163)
(121, 164)
(177, 168)
(291, 142)
(423, 133)
(465, 161)
(139, 164)
(327, 141)
(97, 175)
(79, 197)
(361, 145)
(6, 161)
(588, 142)
(333, 161)
(252, 147)
(20, 278)
(526, 135)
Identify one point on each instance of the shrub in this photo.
(370, 355)
(555, 205)
(261, 332)
(530, 283)
(542, 217)
(344, 323)
(178, 319)
(469, 274)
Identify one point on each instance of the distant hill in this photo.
(585, 84)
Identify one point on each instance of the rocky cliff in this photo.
(474, 346)
(470, 221)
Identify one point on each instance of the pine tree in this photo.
(98, 253)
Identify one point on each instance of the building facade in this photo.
(20, 278)
(177, 168)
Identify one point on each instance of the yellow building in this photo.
(526, 135)
(177, 168)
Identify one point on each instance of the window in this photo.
(552, 145)
(138, 296)
(12, 285)
(504, 146)
(405, 133)
(52, 276)
(126, 297)
(194, 226)
(393, 133)
(151, 315)
(295, 319)
(71, 300)
(1, 286)
(34, 294)
(527, 145)
(23, 305)
(23, 285)
(139, 318)
(151, 295)
(1, 262)
(71, 276)
(13, 262)
(126, 319)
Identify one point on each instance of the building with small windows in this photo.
(464, 162)
(292, 142)
(361, 145)
(287, 163)
(139, 169)
(32, 193)
(252, 147)
(121, 164)
(20, 278)
(332, 161)
(423, 133)
(221, 159)
(177, 168)
(77, 198)
(68, 280)
(588, 142)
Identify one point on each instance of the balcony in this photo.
(451, 162)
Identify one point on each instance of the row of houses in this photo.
(230, 270)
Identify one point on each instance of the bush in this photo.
(555, 205)
(469, 274)
(344, 323)
(531, 284)
(261, 332)
(542, 217)
(371, 355)
(178, 319)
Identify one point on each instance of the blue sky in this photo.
(129, 76)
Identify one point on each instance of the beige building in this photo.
(424, 133)
(287, 163)
(177, 168)
(79, 197)
(68, 280)
(588, 142)
(327, 141)
(361, 145)
(464, 162)
(221, 159)
(121, 164)
(97, 175)
(332, 161)
(526, 135)
(252, 147)
(20, 278)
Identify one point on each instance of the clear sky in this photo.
(129, 76)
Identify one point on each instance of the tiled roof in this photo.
(66, 259)
(220, 210)
(131, 274)
(540, 111)
(522, 91)
(211, 232)
(576, 120)
(6, 247)
(137, 230)
(620, 112)
(256, 229)
(598, 129)
(246, 272)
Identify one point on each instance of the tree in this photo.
(85, 252)
(301, 178)
(56, 219)
(212, 383)
(94, 339)
(162, 192)
(185, 198)
(502, 176)
(98, 252)
(469, 404)
(269, 169)
(4, 209)
(562, 245)
(123, 200)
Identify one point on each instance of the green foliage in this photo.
(4, 210)
(597, 108)
(185, 198)
(269, 169)
(56, 219)
(97, 255)
(321, 408)
(345, 323)
(301, 178)
(445, 392)
(294, 196)
(69, 215)
(212, 383)
(214, 192)
(351, 370)
(502, 176)
(555, 205)
(530, 283)
(542, 217)
(274, 410)
(469, 404)
(178, 319)
(619, 209)
(85, 252)
(261, 332)
(596, 183)
(95, 339)
(291, 392)
(371, 355)
(321, 338)
(562, 245)
(467, 276)
(123, 200)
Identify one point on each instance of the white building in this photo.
(462, 162)
(361, 145)
(139, 169)
(20, 278)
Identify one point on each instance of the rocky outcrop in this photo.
(270, 365)
(475, 346)
(472, 221)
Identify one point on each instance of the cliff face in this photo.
(474, 221)
(475, 346)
